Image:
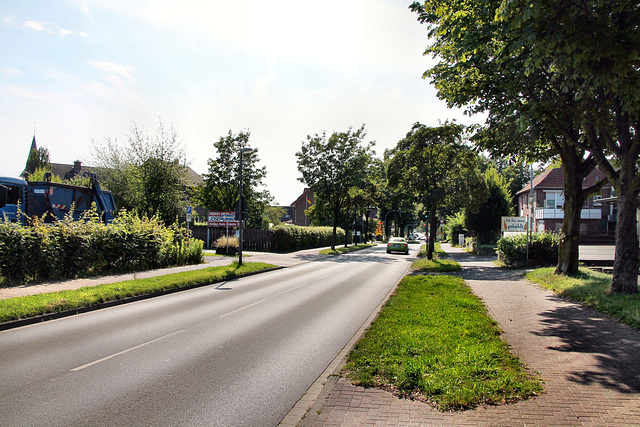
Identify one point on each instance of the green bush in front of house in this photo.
(287, 238)
(543, 249)
(69, 249)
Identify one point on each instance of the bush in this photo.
(224, 242)
(69, 249)
(289, 238)
(543, 249)
(454, 226)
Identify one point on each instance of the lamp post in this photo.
(243, 151)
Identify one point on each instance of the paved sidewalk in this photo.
(590, 363)
(281, 260)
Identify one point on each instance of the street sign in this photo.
(223, 219)
(189, 213)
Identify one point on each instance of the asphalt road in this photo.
(240, 353)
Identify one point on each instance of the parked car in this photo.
(398, 244)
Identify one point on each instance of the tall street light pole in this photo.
(243, 151)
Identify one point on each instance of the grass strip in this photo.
(591, 289)
(435, 265)
(439, 263)
(433, 341)
(343, 250)
(54, 302)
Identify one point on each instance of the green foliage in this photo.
(145, 175)
(453, 227)
(335, 166)
(485, 221)
(38, 159)
(289, 238)
(68, 249)
(220, 188)
(54, 302)
(434, 339)
(543, 248)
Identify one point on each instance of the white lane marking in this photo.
(95, 362)
(242, 308)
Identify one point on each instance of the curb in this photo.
(72, 312)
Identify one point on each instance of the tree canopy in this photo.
(220, 189)
(551, 72)
(436, 167)
(145, 174)
(333, 166)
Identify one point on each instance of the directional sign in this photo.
(222, 219)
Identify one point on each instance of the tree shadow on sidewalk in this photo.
(615, 347)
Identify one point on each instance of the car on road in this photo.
(398, 244)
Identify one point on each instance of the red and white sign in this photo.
(223, 219)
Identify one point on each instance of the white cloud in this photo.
(9, 72)
(38, 26)
(113, 68)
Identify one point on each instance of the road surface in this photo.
(240, 353)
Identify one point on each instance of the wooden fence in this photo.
(254, 240)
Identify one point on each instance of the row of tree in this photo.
(555, 78)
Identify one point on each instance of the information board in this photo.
(223, 219)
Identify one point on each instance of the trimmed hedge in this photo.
(69, 249)
(287, 238)
(543, 248)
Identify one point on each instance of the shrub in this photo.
(454, 226)
(68, 249)
(224, 242)
(289, 238)
(543, 248)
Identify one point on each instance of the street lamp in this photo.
(243, 151)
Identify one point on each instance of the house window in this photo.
(550, 201)
(596, 200)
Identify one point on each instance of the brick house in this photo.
(597, 219)
(299, 206)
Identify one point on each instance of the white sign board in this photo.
(514, 224)
(223, 219)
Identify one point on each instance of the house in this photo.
(299, 206)
(597, 219)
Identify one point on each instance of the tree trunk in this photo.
(433, 223)
(336, 213)
(568, 251)
(625, 265)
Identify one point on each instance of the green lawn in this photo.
(54, 302)
(434, 341)
(342, 250)
(591, 289)
(439, 263)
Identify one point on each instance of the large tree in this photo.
(220, 188)
(436, 166)
(333, 166)
(564, 72)
(145, 174)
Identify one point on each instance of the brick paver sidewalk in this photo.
(590, 363)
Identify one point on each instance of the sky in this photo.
(77, 71)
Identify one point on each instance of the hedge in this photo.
(289, 238)
(69, 249)
(543, 248)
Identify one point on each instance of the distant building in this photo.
(597, 219)
(300, 205)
